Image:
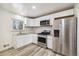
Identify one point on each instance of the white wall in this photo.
(63, 13)
(5, 29)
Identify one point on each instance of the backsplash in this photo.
(38, 29)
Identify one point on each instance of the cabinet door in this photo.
(19, 42)
(34, 39)
(51, 20)
(29, 22)
(29, 38)
(36, 22)
(33, 22)
(23, 40)
(49, 42)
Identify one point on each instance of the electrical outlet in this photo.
(6, 45)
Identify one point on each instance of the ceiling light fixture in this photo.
(34, 7)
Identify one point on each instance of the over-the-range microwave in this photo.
(45, 22)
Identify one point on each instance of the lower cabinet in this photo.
(23, 40)
(35, 38)
(19, 42)
(49, 42)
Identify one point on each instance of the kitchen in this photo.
(44, 31)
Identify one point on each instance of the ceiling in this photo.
(26, 9)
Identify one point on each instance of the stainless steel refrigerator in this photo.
(65, 36)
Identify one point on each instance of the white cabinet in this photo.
(29, 39)
(49, 42)
(51, 20)
(36, 22)
(19, 42)
(29, 22)
(22, 40)
(34, 38)
(33, 22)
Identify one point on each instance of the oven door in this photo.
(42, 40)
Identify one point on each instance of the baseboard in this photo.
(6, 49)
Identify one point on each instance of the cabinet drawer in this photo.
(50, 42)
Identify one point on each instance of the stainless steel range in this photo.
(42, 38)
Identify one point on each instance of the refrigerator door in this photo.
(68, 34)
(73, 36)
(65, 36)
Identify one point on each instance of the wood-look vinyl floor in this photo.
(30, 50)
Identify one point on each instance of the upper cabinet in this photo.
(32, 23)
(36, 22)
(28, 22)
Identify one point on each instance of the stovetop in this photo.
(44, 33)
